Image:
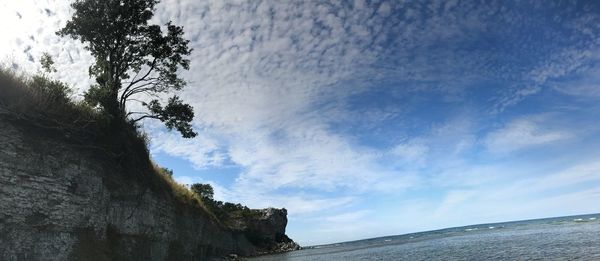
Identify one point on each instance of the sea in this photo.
(560, 238)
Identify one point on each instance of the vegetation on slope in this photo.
(43, 103)
(134, 60)
(230, 214)
(48, 104)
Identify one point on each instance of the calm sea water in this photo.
(563, 238)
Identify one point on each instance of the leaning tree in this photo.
(134, 61)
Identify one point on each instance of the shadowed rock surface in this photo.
(267, 231)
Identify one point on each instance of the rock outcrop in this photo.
(61, 201)
(267, 231)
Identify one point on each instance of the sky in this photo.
(371, 118)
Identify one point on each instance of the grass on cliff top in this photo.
(45, 100)
(181, 192)
(48, 105)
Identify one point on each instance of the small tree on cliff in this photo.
(132, 58)
(205, 191)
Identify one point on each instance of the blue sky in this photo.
(373, 118)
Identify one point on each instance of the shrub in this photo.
(205, 191)
(42, 99)
(227, 212)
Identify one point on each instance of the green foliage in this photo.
(175, 115)
(95, 96)
(47, 63)
(41, 97)
(133, 58)
(51, 90)
(54, 91)
(227, 212)
(205, 191)
(167, 171)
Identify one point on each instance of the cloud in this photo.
(581, 89)
(582, 84)
(32, 32)
(569, 189)
(298, 205)
(558, 59)
(517, 94)
(520, 134)
(581, 173)
(202, 151)
(308, 157)
(353, 216)
(413, 151)
(513, 196)
(451, 201)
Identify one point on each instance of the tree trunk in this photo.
(111, 105)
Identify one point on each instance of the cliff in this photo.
(267, 231)
(63, 200)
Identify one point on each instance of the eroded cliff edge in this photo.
(60, 200)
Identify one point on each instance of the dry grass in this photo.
(181, 192)
(46, 103)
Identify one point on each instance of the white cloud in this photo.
(384, 9)
(522, 133)
(588, 90)
(353, 216)
(568, 191)
(298, 206)
(202, 151)
(30, 28)
(584, 84)
(412, 151)
(453, 200)
(515, 95)
(308, 157)
(581, 173)
(574, 58)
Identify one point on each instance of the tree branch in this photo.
(138, 89)
(123, 99)
(145, 116)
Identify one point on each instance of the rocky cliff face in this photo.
(60, 201)
(267, 231)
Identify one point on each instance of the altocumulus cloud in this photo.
(265, 67)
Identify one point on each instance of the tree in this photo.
(167, 171)
(205, 191)
(133, 58)
(47, 63)
(52, 91)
